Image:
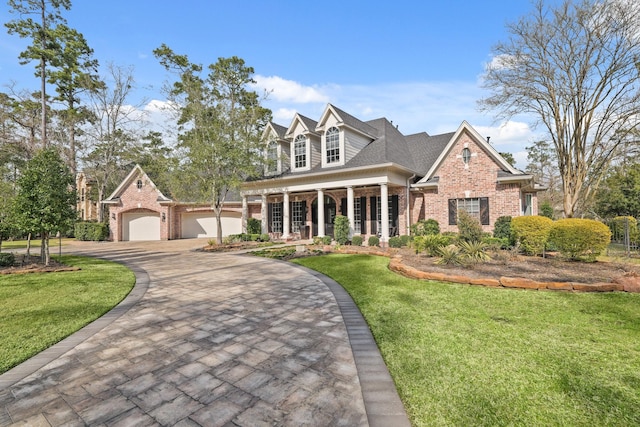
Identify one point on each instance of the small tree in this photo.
(341, 229)
(469, 228)
(45, 200)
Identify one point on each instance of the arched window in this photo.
(300, 152)
(466, 155)
(332, 141)
(139, 184)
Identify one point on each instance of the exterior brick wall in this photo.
(478, 179)
(134, 200)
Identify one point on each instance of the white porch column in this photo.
(245, 213)
(350, 210)
(320, 213)
(264, 213)
(384, 213)
(285, 216)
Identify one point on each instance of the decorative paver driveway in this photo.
(216, 340)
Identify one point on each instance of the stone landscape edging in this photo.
(619, 284)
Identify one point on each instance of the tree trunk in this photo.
(29, 247)
(43, 255)
(219, 223)
(47, 255)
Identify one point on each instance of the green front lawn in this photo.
(35, 243)
(470, 355)
(39, 309)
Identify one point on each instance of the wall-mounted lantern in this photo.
(164, 217)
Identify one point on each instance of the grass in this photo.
(35, 243)
(39, 309)
(467, 355)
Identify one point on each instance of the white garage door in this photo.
(203, 224)
(141, 226)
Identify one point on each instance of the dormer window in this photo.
(300, 152)
(272, 157)
(332, 142)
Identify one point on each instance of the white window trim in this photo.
(307, 151)
(323, 148)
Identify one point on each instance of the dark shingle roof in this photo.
(280, 130)
(310, 124)
(426, 149)
(355, 123)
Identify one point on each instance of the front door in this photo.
(329, 215)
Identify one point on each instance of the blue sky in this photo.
(418, 63)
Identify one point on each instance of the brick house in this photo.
(382, 180)
(368, 171)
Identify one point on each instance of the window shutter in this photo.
(484, 210)
(269, 216)
(453, 211)
(394, 210)
(343, 206)
(363, 214)
(374, 215)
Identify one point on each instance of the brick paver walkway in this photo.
(209, 340)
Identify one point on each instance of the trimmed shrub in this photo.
(91, 231)
(327, 240)
(263, 238)
(469, 228)
(356, 240)
(7, 259)
(502, 227)
(531, 233)
(580, 239)
(406, 239)
(341, 229)
(373, 241)
(395, 242)
(254, 226)
(425, 227)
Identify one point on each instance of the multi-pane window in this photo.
(297, 216)
(357, 216)
(332, 140)
(272, 157)
(276, 217)
(390, 213)
(476, 207)
(472, 206)
(300, 151)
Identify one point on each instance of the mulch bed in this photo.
(35, 266)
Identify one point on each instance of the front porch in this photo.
(378, 210)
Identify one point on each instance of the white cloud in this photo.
(283, 90)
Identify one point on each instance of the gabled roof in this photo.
(280, 131)
(308, 124)
(135, 173)
(347, 120)
(426, 149)
(466, 127)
